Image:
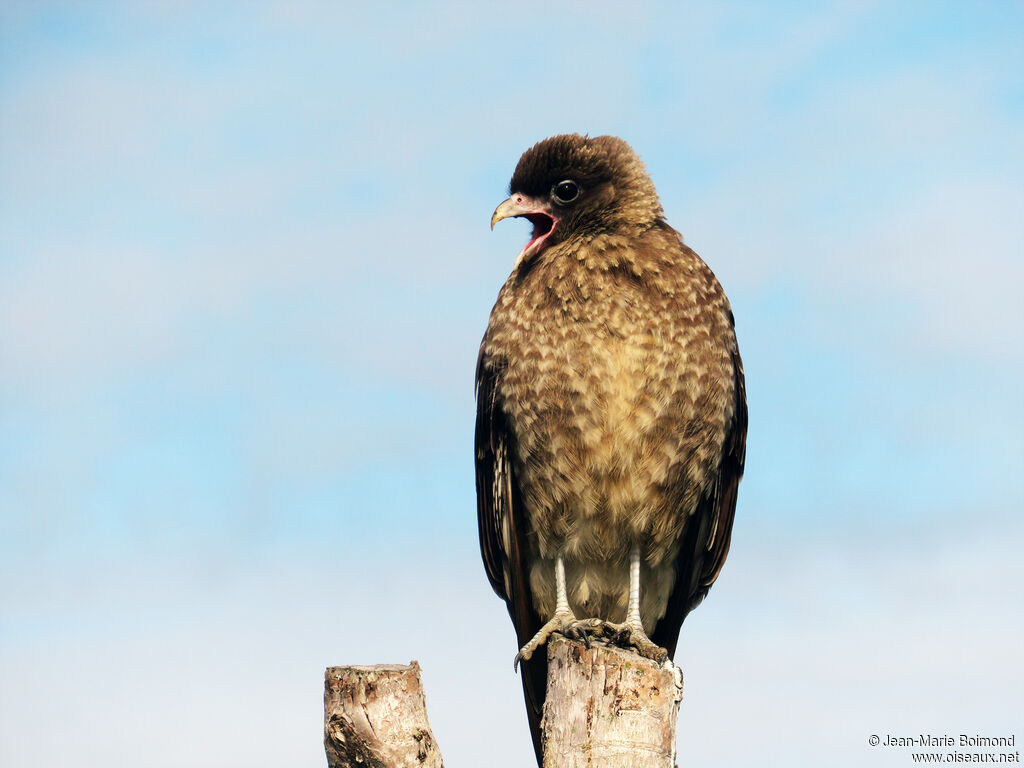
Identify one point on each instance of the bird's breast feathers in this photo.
(618, 399)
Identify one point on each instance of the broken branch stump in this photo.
(376, 717)
(608, 708)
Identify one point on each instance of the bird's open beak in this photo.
(539, 214)
(517, 205)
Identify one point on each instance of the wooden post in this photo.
(376, 717)
(606, 708)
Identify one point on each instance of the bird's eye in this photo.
(566, 191)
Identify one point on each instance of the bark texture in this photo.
(376, 717)
(609, 708)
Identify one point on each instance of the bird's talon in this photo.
(633, 636)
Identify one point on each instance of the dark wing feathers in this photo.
(704, 546)
(502, 526)
(489, 505)
(731, 470)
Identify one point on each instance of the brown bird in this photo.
(611, 412)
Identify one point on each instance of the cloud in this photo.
(244, 269)
(292, 249)
(915, 633)
(953, 259)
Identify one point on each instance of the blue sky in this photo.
(244, 269)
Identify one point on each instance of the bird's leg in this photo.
(564, 621)
(631, 631)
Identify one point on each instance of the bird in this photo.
(611, 413)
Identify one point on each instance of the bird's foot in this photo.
(631, 635)
(564, 624)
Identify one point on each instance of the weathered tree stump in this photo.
(606, 708)
(376, 717)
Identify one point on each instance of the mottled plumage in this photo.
(611, 414)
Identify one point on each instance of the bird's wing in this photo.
(493, 483)
(503, 531)
(705, 542)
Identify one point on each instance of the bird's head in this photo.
(573, 186)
